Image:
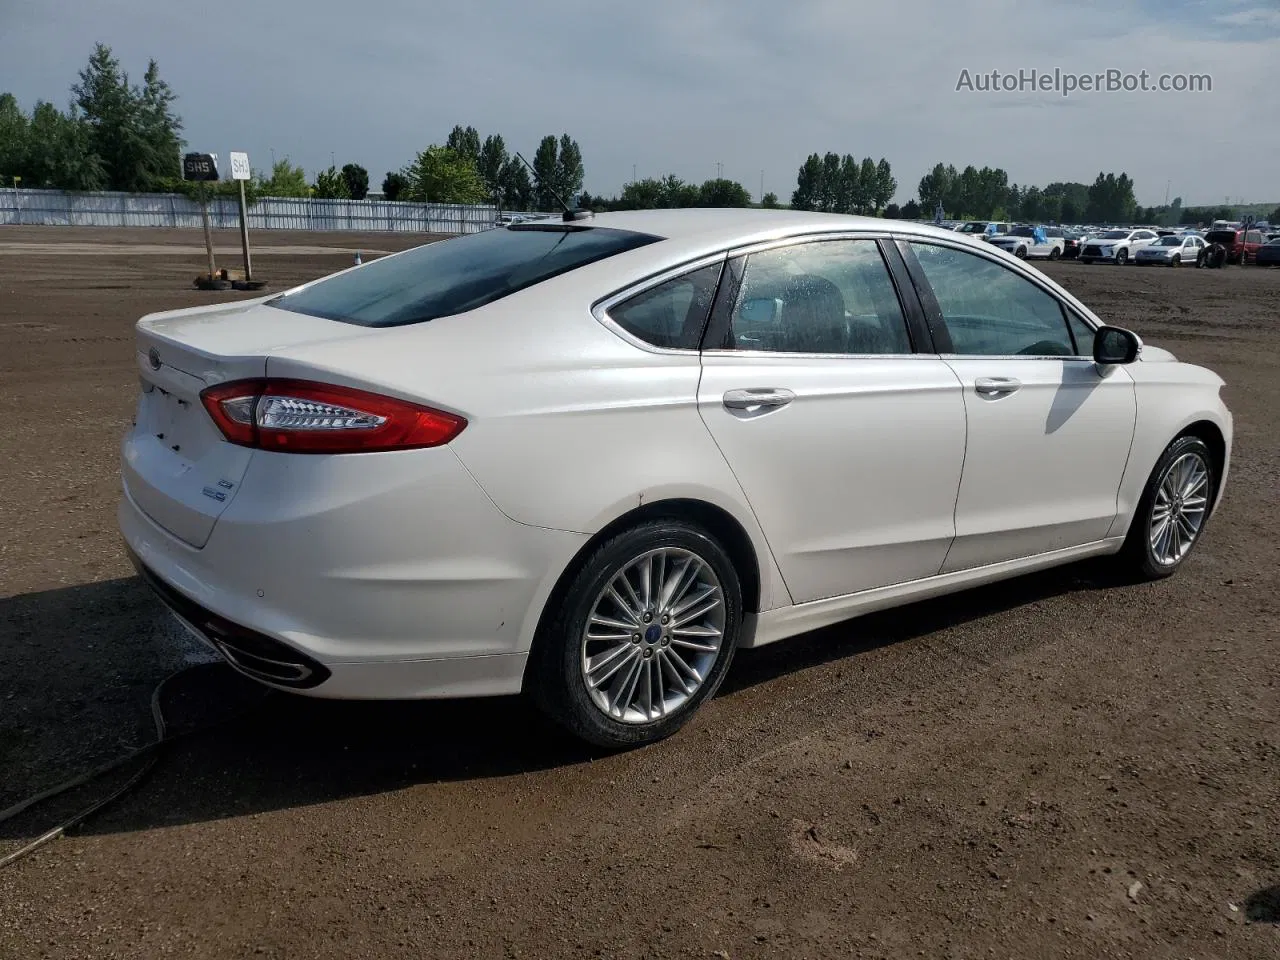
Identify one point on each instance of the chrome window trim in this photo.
(601, 307)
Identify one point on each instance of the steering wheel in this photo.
(1045, 348)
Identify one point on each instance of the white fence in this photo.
(56, 207)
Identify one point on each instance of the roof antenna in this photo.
(570, 214)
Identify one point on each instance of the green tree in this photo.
(569, 169)
(769, 201)
(886, 185)
(357, 180)
(864, 197)
(893, 211)
(848, 186)
(544, 169)
(938, 186)
(59, 154)
(493, 157)
(133, 130)
(14, 132)
(911, 210)
(1274, 217)
(805, 196)
(286, 180)
(517, 188)
(1111, 199)
(442, 175)
(465, 142)
(722, 192)
(393, 185)
(330, 185)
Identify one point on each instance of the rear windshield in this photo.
(456, 275)
(1221, 236)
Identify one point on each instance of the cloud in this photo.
(671, 86)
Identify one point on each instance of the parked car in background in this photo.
(1070, 242)
(1241, 244)
(1171, 250)
(1268, 255)
(631, 440)
(985, 229)
(1030, 243)
(1117, 246)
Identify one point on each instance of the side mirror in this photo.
(758, 310)
(1113, 345)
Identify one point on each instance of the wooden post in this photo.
(208, 233)
(244, 235)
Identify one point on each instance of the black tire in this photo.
(1175, 260)
(1086, 259)
(1137, 560)
(1055, 253)
(1122, 257)
(555, 680)
(1021, 253)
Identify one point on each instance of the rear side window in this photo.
(456, 275)
(674, 313)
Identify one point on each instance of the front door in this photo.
(1049, 431)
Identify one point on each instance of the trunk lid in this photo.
(177, 466)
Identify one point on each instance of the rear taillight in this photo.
(300, 416)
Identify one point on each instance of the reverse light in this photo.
(302, 416)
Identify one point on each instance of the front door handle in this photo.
(757, 398)
(996, 386)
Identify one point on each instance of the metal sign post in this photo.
(1247, 221)
(240, 171)
(202, 168)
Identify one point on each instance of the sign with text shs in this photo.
(240, 166)
(200, 166)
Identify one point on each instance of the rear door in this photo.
(847, 440)
(1049, 431)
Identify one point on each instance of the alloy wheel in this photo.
(653, 635)
(1179, 508)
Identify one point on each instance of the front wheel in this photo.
(1172, 512)
(645, 633)
(1021, 253)
(1055, 253)
(1122, 257)
(1175, 260)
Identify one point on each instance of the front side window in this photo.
(989, 310)
(452, 276)
(826, 296)
(672, 314)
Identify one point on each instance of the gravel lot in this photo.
(1048, 767)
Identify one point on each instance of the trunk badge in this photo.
(153, 358)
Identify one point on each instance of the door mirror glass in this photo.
(758, 310)
(1115, 345)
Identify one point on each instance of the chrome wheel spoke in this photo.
(653, 635)
(1179, 508)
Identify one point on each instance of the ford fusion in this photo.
(590, 458)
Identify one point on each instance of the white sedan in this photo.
(1118, 246)
(1172, 250)
(589, 459)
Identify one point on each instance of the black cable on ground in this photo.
(151, 751)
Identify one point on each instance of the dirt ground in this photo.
(1050, 767)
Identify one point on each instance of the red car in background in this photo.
(1242, 245)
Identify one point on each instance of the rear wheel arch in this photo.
(714, 520)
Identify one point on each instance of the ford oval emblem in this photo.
(153, 358)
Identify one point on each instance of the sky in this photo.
(746, 87)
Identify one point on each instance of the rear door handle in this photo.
(756, 398)
(996, 386)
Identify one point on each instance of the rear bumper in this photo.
(372, 576)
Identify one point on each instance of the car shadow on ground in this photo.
(242, 749)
